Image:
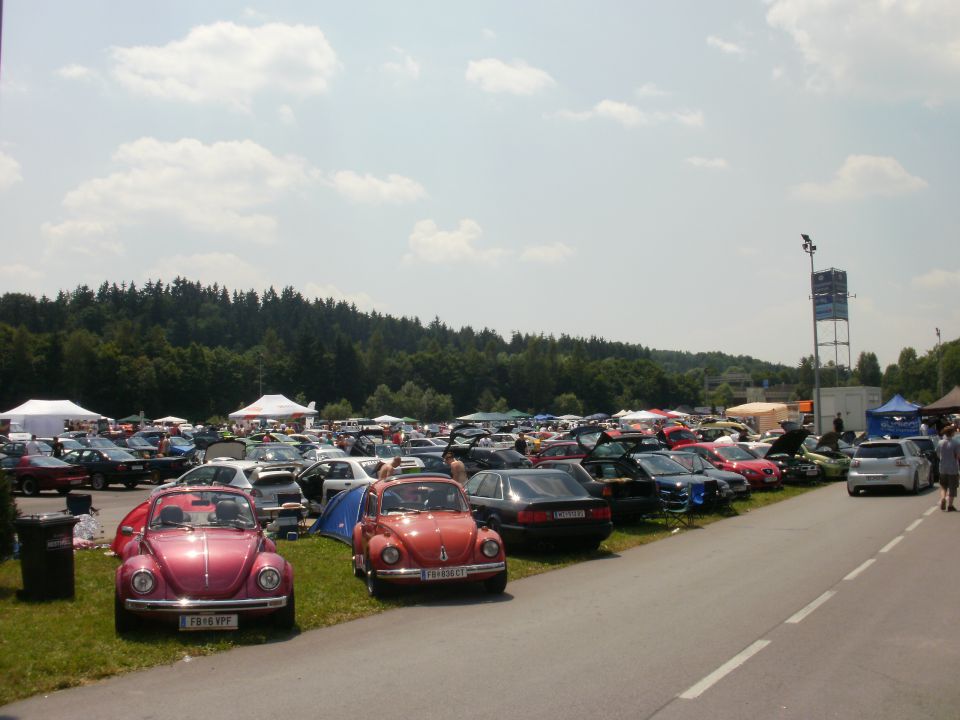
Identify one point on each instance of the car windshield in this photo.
(686, 459)
(422, 497)
(734, 453)
(760, 450)
(138, 442)
(273, 453)
(880, 451)
(117, 454)
(388, 450)
(507, 458)
(46, 461)
(577, 472)
(179, 441)
(201, 508)
(660, 465)
(99, 442)
(545, 484)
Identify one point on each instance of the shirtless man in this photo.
(387, 469)
(457, 470)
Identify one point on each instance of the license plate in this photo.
(77, 482)
(568, 514)
(208, 622)
(136, 467)
(876, 477)
(812, 472)
(451, 573)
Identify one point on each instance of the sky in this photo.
(639, 171)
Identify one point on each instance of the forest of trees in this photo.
(202, 352)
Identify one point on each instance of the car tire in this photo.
(286, 617)
(124, 621)
(852, 492)
(29, 487)
(98, 481)
(375, 586)
(497, 584)
(130, 484)
(915, 490)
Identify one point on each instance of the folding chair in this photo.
(676, 508)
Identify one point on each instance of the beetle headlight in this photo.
(490, 548)
(268, 579)
(390, 555)
(143, 581)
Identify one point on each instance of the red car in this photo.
(418, 529)
(676, 436)
(761, 474)
(202, 562)
(36, 473)
(561, 450)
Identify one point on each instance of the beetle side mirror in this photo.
(126, 530)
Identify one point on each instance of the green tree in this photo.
(340, 410)
(868, 370)
(567, 404)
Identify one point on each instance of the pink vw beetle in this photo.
(202, 562)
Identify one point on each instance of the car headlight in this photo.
(268, 579)
(490, 548)
(390, 555)
(143, 581)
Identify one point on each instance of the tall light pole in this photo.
(809, 248)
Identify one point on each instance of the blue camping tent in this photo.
(340, 515)
(895, 418)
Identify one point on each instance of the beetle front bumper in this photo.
(187, 605)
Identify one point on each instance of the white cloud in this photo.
(395, 190)
(430, 244)
(716, 163)
(937, 279)
(362, 300)
(631, 116)
(213, 188)
(405, 68)
(517, 78)
(16, 273)
(547, 254)
(228, 64)
(650, 90)
(907, 49)
(863, 176)
(725, 46)
(489, 34)
(777, 73)
(287, 116)
(9, 171)
(75, 72)
(209, 268)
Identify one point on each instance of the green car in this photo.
(833, 465)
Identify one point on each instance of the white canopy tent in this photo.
(46, 418)
(170, 420)
(272, 407)
(570, 418)
(640, 415)
(387, 419)
(621, 413)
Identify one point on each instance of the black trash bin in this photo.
(79, 503)
(46, 555)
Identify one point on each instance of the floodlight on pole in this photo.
(810, 249)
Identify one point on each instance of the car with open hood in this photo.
(786, 451)
(418, 530)
(201, 562)
(833, 464)
(464, 444)
(761, 474)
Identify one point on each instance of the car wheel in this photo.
(285, 617)
(29, 487)
(130, 484)
(375, 586)
(915, 490)
(123, 620)
(852, 491)
(98, 481)
(496, 584)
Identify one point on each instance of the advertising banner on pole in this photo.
(830, 294)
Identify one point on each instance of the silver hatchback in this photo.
(888, 463)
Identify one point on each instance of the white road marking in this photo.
(860, 569)
(797, 617)
(890, 545)
(913, 525)
(724, 670)
(931, 511)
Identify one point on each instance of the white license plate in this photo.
(79, 481)
(876, 477)
(451, 573)
(568, 514)
(136, 467)
(208, 622)
(812, 472)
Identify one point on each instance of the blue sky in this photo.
(640, 171)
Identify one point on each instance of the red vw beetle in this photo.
(419, 529)
(202, 561)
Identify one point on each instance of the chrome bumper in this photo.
(471, 570)
(186, 605)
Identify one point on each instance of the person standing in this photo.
(164, 447)
(949, 468)
(838, 424)
(521, 444)
(458, 470)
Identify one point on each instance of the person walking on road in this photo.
(949, 468)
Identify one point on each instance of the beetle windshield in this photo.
(201, 509)
(422, 497)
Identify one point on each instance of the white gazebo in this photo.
(273, 407)
(46, 418)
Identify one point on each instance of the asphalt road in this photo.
(112, 504)
(823, 606)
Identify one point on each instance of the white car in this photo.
(324, 479)
(888, 463)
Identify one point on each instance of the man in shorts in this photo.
(949, 468)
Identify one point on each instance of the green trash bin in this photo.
(46, 555)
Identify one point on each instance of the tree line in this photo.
(203, 351)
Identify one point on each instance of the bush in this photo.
(8, 513)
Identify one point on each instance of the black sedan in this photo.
(527, 506)
(107, 466)
(630, 499)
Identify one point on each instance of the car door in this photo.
(484, 500)
(368, 521)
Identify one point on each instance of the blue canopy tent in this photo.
(340, 515)
(895, 418)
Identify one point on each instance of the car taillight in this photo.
(607, 491)
(901, 462)
(600, 513)
(530, 517)
(854, 463)
(121, 468)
